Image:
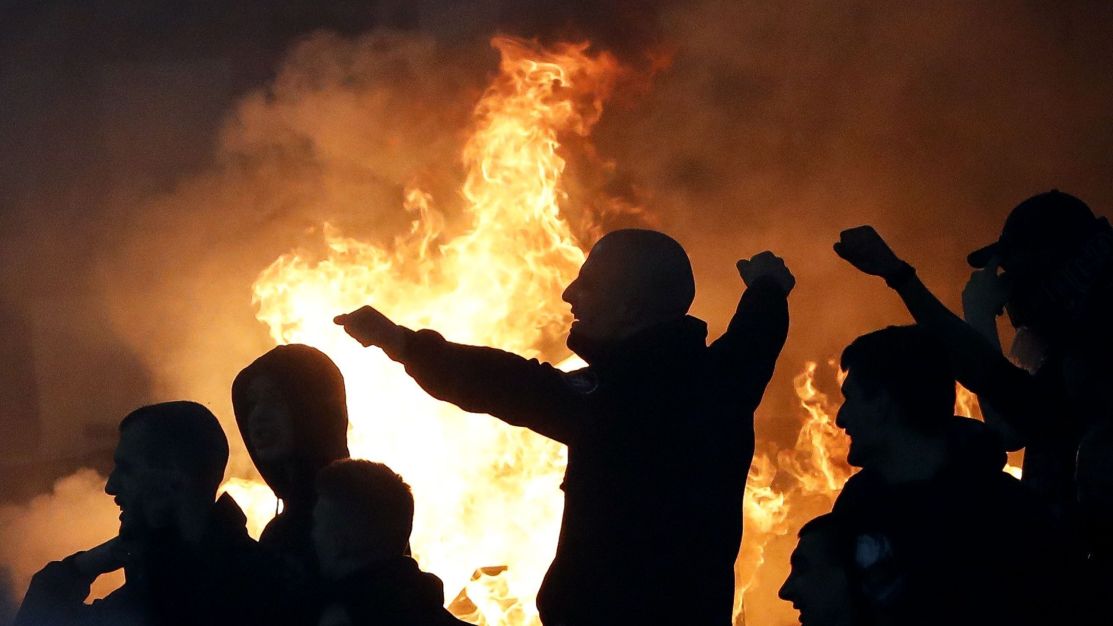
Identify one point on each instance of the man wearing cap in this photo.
(1052, 272)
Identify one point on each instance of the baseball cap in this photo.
(1053, 218)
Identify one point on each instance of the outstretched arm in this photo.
(748, 351)
(520, 392)
(979, 365)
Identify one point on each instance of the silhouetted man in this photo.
(823, 584)
(957, 540)
(292, 412)
(361, 528)
(659, 427)
(1057, 287)
(291, 409)
(187, 559)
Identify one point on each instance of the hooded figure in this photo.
(291, 410)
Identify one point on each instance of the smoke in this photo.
(157, 161)
(72, 517)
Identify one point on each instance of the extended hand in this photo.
(371, 328)
(868, 252)
(766, 265)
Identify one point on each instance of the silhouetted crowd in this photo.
(660, 437)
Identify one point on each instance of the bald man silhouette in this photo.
(659, 427)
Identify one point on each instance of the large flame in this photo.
(488, 497)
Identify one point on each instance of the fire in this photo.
(488, 497)
(818, 461)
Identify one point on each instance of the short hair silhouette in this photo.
(183, 435)
(374, 496)
(839, 540)
(911, 366)
(659, 263)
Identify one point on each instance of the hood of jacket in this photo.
(313, 388)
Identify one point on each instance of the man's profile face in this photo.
(863, 417)
(817, 586)
(270, 424)
(600, 296)
(145, 493)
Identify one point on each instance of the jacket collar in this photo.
(655, 348)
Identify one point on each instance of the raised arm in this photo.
(518, 391)
(747, 353)
(978, 364)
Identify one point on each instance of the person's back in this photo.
(659, 427)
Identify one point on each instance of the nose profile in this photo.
(785, 592)
(110, 485)
(569, 292)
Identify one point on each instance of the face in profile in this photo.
(600, 307)
(146, 494)
(270, 424)
(862, 416)
(818, 585)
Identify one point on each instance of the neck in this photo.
(193, 520)
(921, 461)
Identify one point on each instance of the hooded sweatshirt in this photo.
(313, 388)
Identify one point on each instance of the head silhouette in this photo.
(291, 409)
(363, 515)
(632, 279)
(819, 584)
(898, 389)
(170, 455)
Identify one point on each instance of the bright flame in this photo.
(488, 497)
(818, 461)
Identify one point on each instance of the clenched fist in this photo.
(766, 265)
(371, 328)
(868, 252)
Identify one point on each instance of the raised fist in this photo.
(766, 265)
(868, 252)
(371, 328)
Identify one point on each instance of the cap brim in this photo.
(980, 257)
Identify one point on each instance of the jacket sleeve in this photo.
(1022, 400)
(521, 392)
(746, 354)
(56, 597)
